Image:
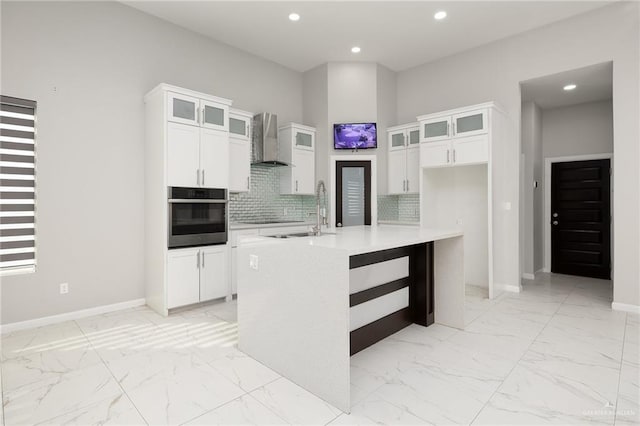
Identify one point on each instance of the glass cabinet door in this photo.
(304, 139)
(396, 140)
(214, 115)
(239, 126)
(435, 129)
(183, 109)
(470, 123)
(413, 136)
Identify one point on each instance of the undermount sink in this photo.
(298, 234)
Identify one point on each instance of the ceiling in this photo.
(396, 34)
(595, 83)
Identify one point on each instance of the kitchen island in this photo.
(306, 304)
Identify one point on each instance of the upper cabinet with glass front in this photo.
(435, 129)
(211, 112)
(442, 126)
(304, 137)
(469, 123)
(462, 136)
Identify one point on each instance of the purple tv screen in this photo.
(355, 136)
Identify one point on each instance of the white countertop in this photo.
(240, 225)
(361, 239)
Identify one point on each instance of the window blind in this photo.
(17, 183)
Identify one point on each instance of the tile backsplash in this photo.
(264, 202)
(404, 208)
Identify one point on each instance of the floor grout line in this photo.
(520, 359)
(624, 338)
(124, 392)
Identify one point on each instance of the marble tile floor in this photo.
(554, 354)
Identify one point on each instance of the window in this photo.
(17, 185)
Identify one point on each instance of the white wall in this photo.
(342, 92)
(88, 64)
(387, 116)
(531, 138)
(578, 129)
(494, 72)
(316, 114)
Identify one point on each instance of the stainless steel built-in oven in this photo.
(197, 216)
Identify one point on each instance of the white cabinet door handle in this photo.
(454, 155)
(248, 182)
(447, 156)
(296, 186)
(198, 260)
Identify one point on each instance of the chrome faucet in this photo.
(321, 214)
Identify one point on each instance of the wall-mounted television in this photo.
(355, 136)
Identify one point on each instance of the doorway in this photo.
(581, 218)
(353, 193)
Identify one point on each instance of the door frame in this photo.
(548, 161)
(374, 183)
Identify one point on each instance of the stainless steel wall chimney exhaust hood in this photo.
(264, 144)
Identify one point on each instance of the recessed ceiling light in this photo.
(569, 87)
(294, 17)
(440, 15)
(355, 49)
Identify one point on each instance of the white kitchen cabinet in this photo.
(297, 148)
(469, 123)
(183, 155)
(303, 176)
(197, 157)
(457, 190)
(186, 144)
(413, 169)
(196, 275)
(214, 115)
(194, 111)
(214, 158)
(435, 154)
(214, 277)
(239, 150)
(183, 277)
(435, 129)
(466, 140)
(182, 108)
(470, 150)
(403, 159)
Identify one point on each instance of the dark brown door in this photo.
(349, 194)
(581, 218)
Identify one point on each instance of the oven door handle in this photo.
(197, 201)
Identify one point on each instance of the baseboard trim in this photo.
(528, 276)
(624, 307)
(68, 316)
(507, 287)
